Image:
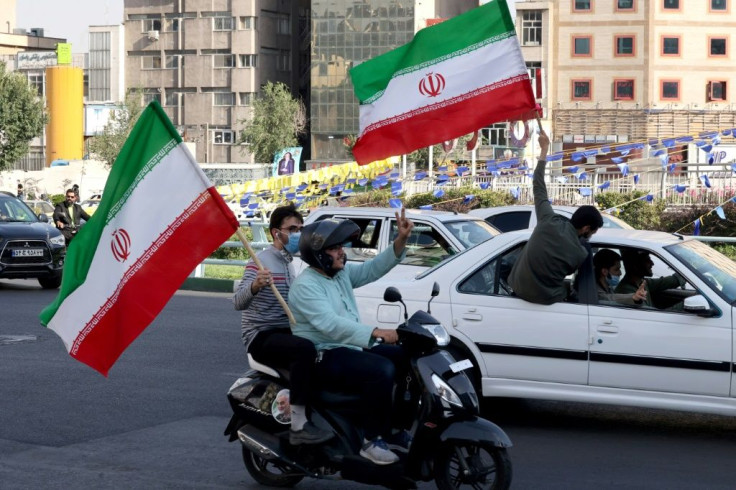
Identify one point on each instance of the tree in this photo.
(106, 146)
(277, 121)
(22, 116)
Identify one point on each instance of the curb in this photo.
(209, 285)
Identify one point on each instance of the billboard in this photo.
(286, 160)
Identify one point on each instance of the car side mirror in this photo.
(43, 218)
(699, 305)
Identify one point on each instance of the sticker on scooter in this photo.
(461, 365)
(281, 408)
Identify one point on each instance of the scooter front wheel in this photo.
(270, 473)
(465, 464)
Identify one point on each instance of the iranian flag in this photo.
(158, 218)
(450, 80)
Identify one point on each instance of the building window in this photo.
(581, 89)
(582, 46)
(670, 90)
(623, 89)
(719, 6)
(224, 99)
(151, 62)
(247, 23)
(283, 60)
(223, 60)
(534, 69)
(625, 5)
(670, 45)
(247, 60)
(173, 98)
(671, 4)
(151, 25)
(36, 81)
(582, 5)
(717, 91)
(494, 135)
(283, 25)
(172, 61)
(151, 94)
(172, 25)
(624, 46)
(223, 137)
(717, 46)
(531, 27)
(223, 23)
(245, 98)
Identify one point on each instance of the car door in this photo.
(519, 341)
(673, 351)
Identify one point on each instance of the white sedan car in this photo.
(678, 357)
(523, 216)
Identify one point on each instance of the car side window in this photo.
(666, 288)
(366, 246)
(511, 221)
(492, 278)
(426, 247)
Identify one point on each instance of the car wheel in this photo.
(50, 282)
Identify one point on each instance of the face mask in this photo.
(292, 246)
(613, 280)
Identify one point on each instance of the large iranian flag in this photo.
(158, 218)
(450, 80)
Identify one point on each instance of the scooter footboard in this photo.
(476, 430)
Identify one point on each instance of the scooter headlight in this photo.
(446, 393)
(439, 332)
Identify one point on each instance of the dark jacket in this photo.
(61, 213)
(553, 252)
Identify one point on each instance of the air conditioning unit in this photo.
(37, 32)
(153, 35)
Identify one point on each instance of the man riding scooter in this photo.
(68, 216)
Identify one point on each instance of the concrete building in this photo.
(205, 60)
(625, 70)
(106, 64)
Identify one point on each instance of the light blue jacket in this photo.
(325, 309)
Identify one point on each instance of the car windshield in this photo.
(471, 232)
(610, 221)
(710, 265)
(14, 210)
(448, 260)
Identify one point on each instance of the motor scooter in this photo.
(451, 445)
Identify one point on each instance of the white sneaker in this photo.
(378, 452)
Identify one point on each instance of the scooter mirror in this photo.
(392, 295)
(435, 289)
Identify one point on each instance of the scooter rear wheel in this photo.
(269, 473)
(462, 464)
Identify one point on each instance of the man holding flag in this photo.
(159, 217)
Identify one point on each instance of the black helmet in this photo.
(321, 235)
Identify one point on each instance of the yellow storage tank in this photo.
(65, 104)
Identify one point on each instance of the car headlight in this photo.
(57, 240)
(439, 332)
(446, 393)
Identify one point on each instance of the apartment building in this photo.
(624, 70)
(204, 61)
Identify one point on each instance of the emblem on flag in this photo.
(432, 85)
(120, 245)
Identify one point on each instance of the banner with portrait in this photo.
(286, 161)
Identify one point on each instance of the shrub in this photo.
(641, 214)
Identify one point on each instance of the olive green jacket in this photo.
(553, 252)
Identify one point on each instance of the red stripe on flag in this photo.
(152, 280)
(409, 132)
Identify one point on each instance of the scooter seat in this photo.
(262, 367)
(333, 398)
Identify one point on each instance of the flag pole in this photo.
(282, 302)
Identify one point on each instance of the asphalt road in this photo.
(157, 420)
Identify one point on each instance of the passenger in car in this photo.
(556, 248)
(607, 266)
(638, 265)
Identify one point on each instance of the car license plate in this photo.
(27, 252)
(461, 365)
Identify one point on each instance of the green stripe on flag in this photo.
(489, 23)
(152, 137)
